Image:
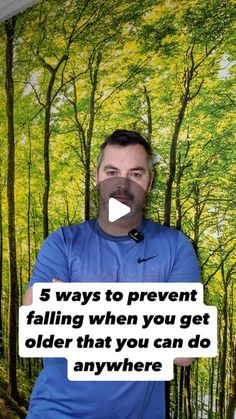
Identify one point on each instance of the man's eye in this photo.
(111, 173)
(137, 175)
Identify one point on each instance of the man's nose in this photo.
(123, 182)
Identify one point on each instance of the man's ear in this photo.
(151, 182)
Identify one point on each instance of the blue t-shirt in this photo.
(83, 253)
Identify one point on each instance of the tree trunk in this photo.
(178, 225)
(197, 215)
(29, 207)
(13, 286)
(187, 393)
(218, 366)
(34, 226)
(94, 81)
(1, 278)
(149, 115)
(231, 410)
(175, 413)
(202, 402)
(189, 74)
(211, 390)
(172, 162)
(224, 351)
(196, 384)
(47, 135)
(181, 391)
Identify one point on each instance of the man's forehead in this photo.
(115, 152)
(112, 166)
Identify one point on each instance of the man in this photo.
(102, 251)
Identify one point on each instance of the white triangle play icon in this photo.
(116, 209)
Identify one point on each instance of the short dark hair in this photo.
(124, 138)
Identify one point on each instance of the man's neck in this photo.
(120, 227)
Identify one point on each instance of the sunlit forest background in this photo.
(71, 72)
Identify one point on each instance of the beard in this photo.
(133, 197)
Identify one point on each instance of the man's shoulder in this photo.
(77, 229)
(155, 228)
(168, 235)
(67, 233)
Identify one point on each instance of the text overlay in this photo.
(118, 331)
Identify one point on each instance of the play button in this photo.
(116, 209)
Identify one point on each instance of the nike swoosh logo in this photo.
(145, 259)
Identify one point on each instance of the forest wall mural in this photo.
(71, 72)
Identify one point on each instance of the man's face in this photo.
(124, 175)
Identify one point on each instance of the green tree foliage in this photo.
(165, 68)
